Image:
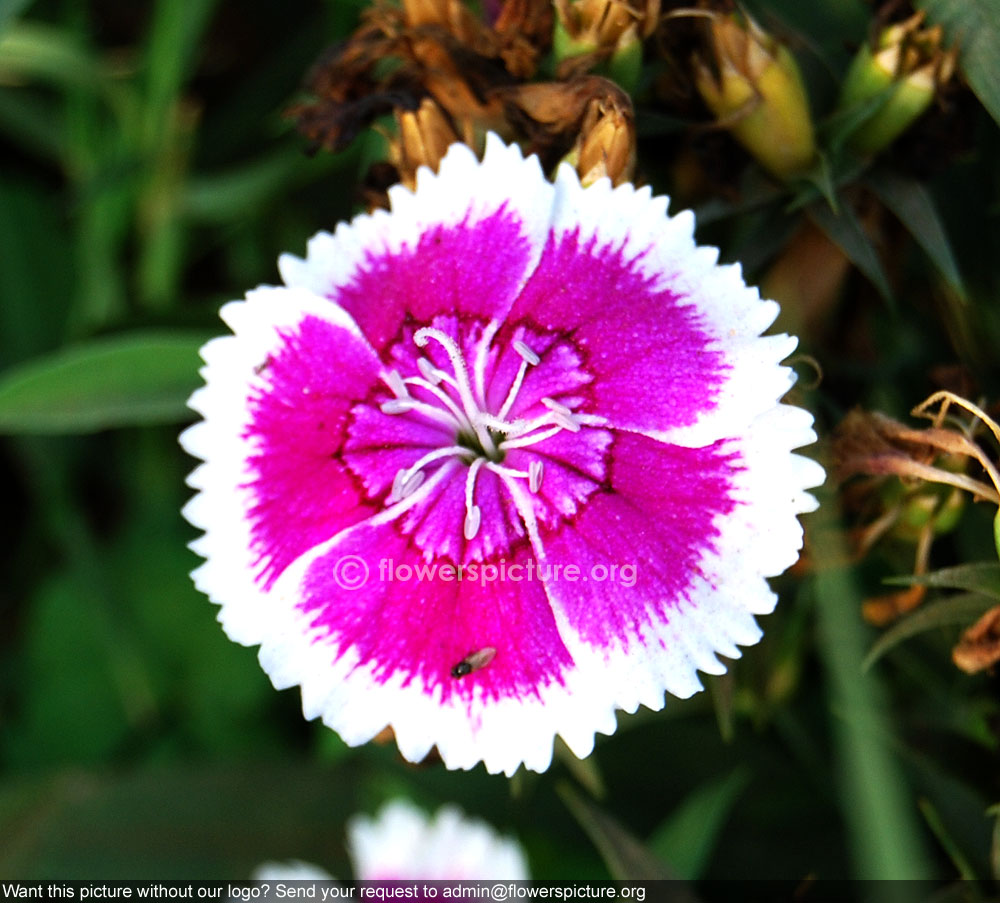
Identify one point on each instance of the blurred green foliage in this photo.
(146, 177)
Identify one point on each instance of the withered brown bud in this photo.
(603, 35)
(524, 31)
(439, 50)
(602, 23)
(606, 146)
(590, 117)
(875, 445)
(979, 647)
(422, 138)
(452, 15)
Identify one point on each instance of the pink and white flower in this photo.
(497, 463)
(402, 844)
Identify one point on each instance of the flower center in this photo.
(482, 436)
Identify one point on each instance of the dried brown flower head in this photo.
(445, 75)
(979, 647)
(435, 49)
(928, 473)
(590, 119)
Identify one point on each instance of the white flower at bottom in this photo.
(293, 870)
(402, 844)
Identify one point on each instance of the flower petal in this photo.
(672, 340)
(703, 528)
(275, 405)
(463, 243)
(366, 656)
(401, 843)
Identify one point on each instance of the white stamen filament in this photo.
(461, 421)
(398, 406)
(530, 439)
(566, 422)
(557, 407)
(473, 513)
(411, 484)
(473, 518)
(528, 358)
(515, 428)
(524, 507)
(462, 385)
(482, 355)
(405, 405)
(403, 485)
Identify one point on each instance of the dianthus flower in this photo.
(496, 463)
(402, 844)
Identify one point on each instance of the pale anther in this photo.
(397, 485)
(395, 383)
(566, 421)
(473, 517)
(535, 469)
(529, 356)
(397, 406)
(429, 371)
(556, 406)
(411, 484)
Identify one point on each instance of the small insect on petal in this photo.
(474, 662)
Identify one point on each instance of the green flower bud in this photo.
(753, 86)
(899, 76)
(604, 36)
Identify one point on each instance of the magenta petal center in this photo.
(475, 439)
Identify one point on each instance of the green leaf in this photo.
(959, 610)
(977, 577)
(958, 858)
(231, 195)
(653, 124)
(625, 856)
(687, 837)
(32, 297)
(913, 206)
(974, 26)
(33, 123)
(174, 38)
(29, 50)
(585, 771)
(10, 10)
(128, 380)
(844, 230)
(73, 706)
(886, 840)
(174, 822)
